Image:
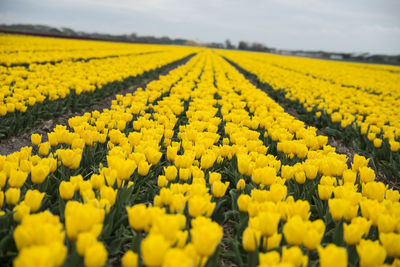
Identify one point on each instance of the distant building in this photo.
(336, 56)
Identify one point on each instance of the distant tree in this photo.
(54, 30)
(165, 40)
(243, 45)
(259, 47)
(215, 45)
(228, 44)
(132, 36)
(179, 41)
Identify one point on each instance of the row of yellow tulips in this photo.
(158, 176)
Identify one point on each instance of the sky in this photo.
(332, 25)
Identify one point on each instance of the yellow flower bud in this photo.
(39, 173)
(138, 216)
(352, 234)
(312, 238)
(332, 256)
(371, 253)
(177, 257)
(33, 199)
(250, 239)
(243, 163)
(311, 171)
(377, 142)
(197, 206)
(110, 175)
(10, 107)
(170, 172)
(241, 184)
(386, 223)
(294, 230)
(67, 190)
(130, 259)
(366, 175)
(108, 193)
(351, 211)
(205, 236)
(349, 176)
(219, 188)
(44, 149)
(392, 195)
(269, 223)
(300, 177)
(95, 255)
(243, 202)
(207, 160)
(391, 242)
(3, 179)
(337, 208)
(184, 174)
(213, 177)
(17, 178)
(294, 256)
(97, 181)
(273, 241)
(153, 249)
(121, 125)
(278, 192)
(12, 196)
(171, 153)
(271, 258)
(21, 210)
(394, 146)
(162, 181)
(181, 238)
(3, 110)
(70, 158)
(84, 241)
(325, 191)
(143, 168)
(153, 155)
(374, 190)
(287, 172)
(363, 224)
(358, 162)
(52, 139)
(83, 218)
(36, 139)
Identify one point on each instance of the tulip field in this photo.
(202, 166)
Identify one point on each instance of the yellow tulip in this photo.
(39, 173)
(250, 239)
(95, 255)
(371, 253)
(130, 259)
(12, 196)
(36, 139)
(143, 168)
(153, 249)
(67, 190)
(138, 216)
(33, 199)
(332, 256)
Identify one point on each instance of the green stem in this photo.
(251, 259)
(138, 240)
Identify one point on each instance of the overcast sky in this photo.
(332, 25)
